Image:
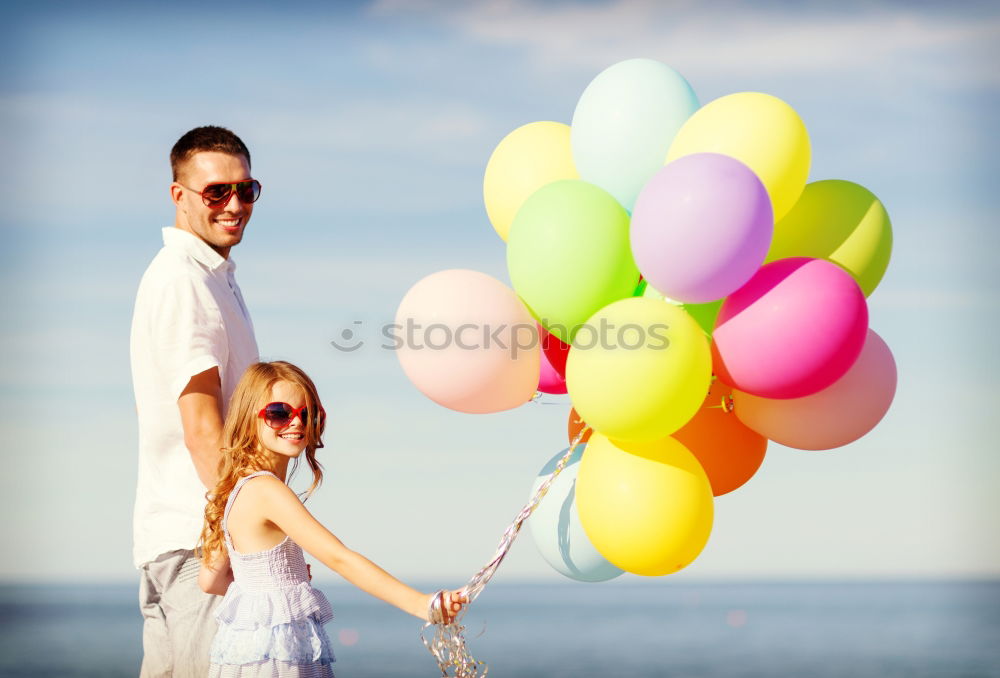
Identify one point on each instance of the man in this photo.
(192, 338)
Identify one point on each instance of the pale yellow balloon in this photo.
(646, 507)
(639, 369)
(759, 130)
(528, 158)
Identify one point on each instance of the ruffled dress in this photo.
(271, 619)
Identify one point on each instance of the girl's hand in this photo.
(444, 606)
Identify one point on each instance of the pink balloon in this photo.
(549, 379)
(554, 349)
(467, 342)
(837, 415)
(793, 330)
(552, 375)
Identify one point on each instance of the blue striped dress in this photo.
(271, 619)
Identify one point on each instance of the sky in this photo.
(370, 125)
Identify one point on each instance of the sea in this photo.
(638, 629)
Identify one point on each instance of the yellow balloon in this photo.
(646, 507)
(759, 130)
(639, 369)
(528, 158)
(841, 222)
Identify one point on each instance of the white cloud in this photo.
(431, 129)
(395, 150)
(707, 38)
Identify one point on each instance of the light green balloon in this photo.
(568, 254)
(651, 292)
(704, 314)
(841, 222)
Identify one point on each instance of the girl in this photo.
(271, 619)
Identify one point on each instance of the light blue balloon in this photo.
(624, 123)
(556, 529)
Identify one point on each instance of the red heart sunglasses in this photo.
(280, 415)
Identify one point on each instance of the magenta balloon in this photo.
(793, 330)
(837, 415)
(701, 227)
(552, 366)
(549, 379)
(467, 342)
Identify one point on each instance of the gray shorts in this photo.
(178, 622)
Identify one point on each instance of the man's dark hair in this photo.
(207, 138)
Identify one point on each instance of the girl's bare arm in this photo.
(282, 507)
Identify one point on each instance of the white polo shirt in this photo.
(189, 317)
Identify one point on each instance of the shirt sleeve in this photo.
(187, 333)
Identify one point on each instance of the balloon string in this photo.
(726, 404)
(448, 642)
(540, 399)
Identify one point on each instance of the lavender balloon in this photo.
(701, 227)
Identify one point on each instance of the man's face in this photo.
(222, 226)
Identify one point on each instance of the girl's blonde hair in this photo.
(242, 453)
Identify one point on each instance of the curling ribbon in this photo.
(448, 642)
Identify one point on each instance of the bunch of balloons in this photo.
(674, 272)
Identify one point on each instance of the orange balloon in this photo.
(576, 424)
(729, 452)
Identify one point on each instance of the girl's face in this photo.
(290, 440)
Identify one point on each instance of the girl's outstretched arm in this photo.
(282, 507)
(215, 576)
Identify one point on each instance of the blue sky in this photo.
(370, 125)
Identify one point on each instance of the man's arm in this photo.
(201, 416)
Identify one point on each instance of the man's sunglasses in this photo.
(280, 415)
(217, 195)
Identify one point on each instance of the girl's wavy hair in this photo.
(242, 453)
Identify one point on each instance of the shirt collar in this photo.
(196, 248)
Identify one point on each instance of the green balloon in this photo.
(704, 314)
(652, 293)
(841, 222)
(569, 256)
